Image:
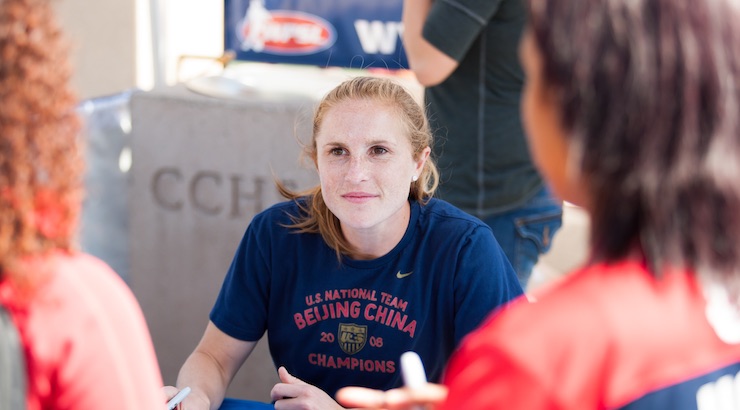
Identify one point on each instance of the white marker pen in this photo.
(178, 398)
(412, 371)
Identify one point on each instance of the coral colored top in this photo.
(86, 342)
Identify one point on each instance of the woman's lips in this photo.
(358, 197)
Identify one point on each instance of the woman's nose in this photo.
(357, 169)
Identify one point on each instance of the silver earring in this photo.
(414, 178)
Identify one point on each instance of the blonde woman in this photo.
(349, 275)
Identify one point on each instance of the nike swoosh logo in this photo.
(400, 275)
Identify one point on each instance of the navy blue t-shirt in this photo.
(336, 324)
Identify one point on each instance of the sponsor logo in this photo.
(379, 37)
(352, 337)
(400, 275)
(284, 32)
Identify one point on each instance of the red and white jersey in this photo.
(606, 337)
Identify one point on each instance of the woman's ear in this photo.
(577, 194)
(423, 156)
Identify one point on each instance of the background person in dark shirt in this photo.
(465, 53)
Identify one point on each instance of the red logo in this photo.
(286, 32)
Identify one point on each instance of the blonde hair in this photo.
(316, 216)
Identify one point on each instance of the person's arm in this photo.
(430, 65)
(210, 368)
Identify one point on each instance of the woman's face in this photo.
(366, 164)
(545, 134)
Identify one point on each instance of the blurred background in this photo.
(114, 41)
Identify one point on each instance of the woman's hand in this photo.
(193, 401)
(294, 393)
(428, 396)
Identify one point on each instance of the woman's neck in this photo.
(374, 242)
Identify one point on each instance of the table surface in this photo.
(235, 404)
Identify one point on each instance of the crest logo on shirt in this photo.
(352, 337)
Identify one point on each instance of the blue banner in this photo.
(339, 33)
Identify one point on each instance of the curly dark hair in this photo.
(41, 166)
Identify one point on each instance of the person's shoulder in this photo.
(440, 211)
(278, 224)
(282, 212)
(436, 206)
(74, 263)
(284, 206)
(576, 302)
(82, 272)
(79, 288)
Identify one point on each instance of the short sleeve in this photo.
(241, 307)
(484, 281)
(452, 26)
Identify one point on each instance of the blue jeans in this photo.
(526, 232)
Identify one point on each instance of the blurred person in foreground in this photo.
(350, 274)
(84, 337)
(633, 112)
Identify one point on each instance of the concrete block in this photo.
(202, 167)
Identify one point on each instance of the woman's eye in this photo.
(378, 150)
(337, 151)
